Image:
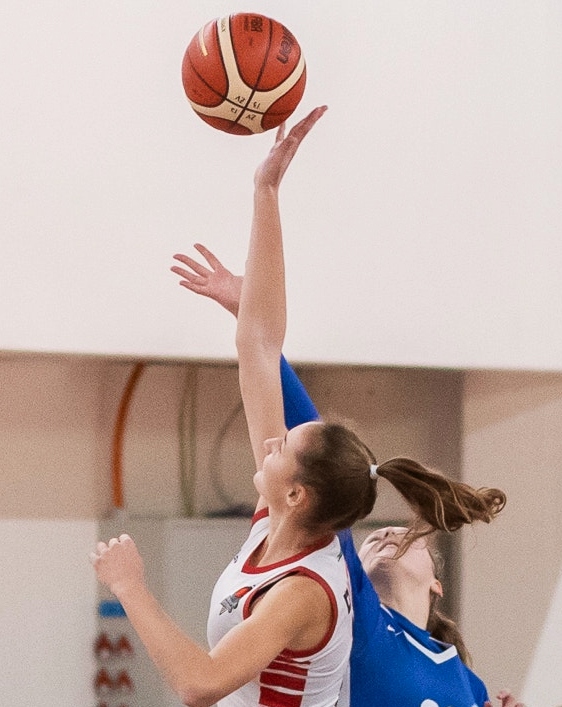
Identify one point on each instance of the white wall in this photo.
(47, 612)
(428, 196)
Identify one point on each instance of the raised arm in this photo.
(262, 315)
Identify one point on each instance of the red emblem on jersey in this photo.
(232, 601)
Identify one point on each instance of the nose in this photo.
(390, 531)
(384, 533)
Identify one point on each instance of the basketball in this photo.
(244, 73)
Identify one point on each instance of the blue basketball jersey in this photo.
(297, 404)
(393, 663)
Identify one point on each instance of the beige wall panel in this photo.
(50, 437)
(510, 571)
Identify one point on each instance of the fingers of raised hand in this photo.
(193, 282)
(280, 135)
(190, 263)
(304, 126)
(211, 258)
(298, 132)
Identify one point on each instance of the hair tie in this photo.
(373, 471)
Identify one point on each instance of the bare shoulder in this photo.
(303, 606)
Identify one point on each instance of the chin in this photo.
(257, 483)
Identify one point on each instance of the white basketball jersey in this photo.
(294, 679)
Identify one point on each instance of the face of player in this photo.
(378, 557)
(280, 465)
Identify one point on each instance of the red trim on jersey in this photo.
(258, 515)
(318, 545)
(279, 680)
(272, 698)
(289, 667)
(253, 569)
(262, 588)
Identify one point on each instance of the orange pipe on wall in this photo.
(119, 434)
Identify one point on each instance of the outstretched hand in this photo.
(270, 172)
(506, 700)
(215, 281)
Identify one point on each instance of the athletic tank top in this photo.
(295, 678)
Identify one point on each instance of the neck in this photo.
(411, 602)
(286, 539)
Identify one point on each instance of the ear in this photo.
(436, 587)
(296, 496)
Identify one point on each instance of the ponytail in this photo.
(438, 503)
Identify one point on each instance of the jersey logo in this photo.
(232, 601)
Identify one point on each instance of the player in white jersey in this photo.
(405, 653)
(305, 466)
(294, 678)
(295, 615)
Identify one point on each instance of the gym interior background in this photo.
(423, 250)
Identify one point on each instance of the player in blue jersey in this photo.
(395, 660)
